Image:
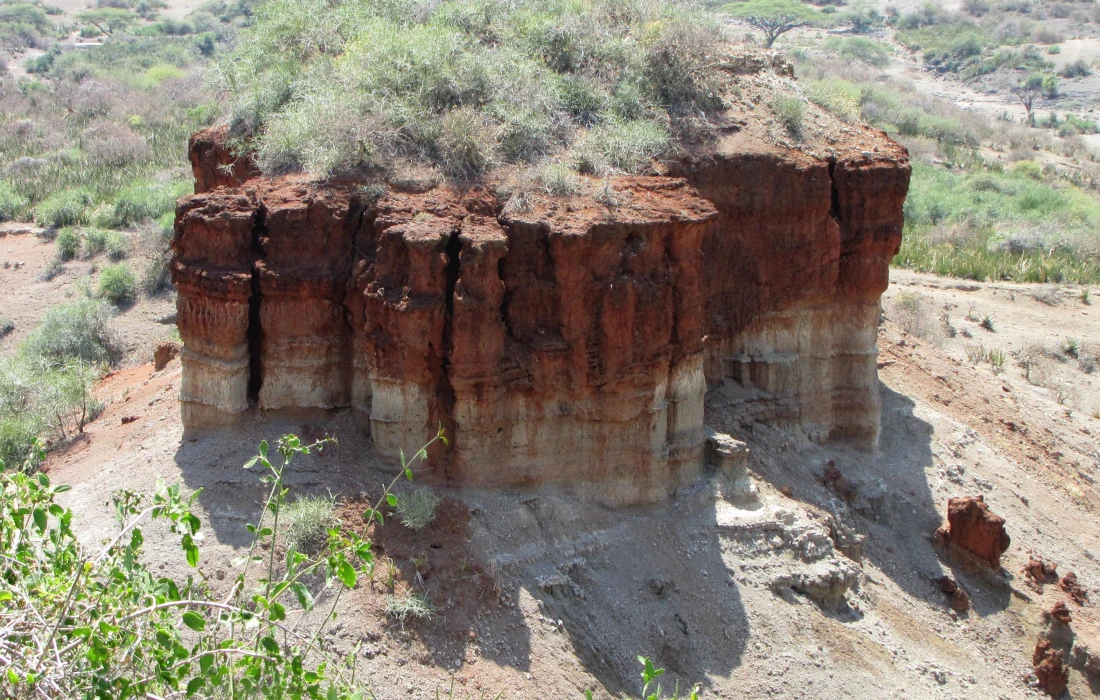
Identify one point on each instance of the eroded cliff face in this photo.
(566, 342)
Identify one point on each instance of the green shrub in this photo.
(64, 208)
(7, 325)
(117, 245)
(18, 433)
(157, 74)
(860, 48)
(95, 241)
(44, 394)
(1076, 69)
(68, 243)
(167, 633)
(12, 204)
(1028, 168)
(839, 97)
(77, 330)
(789, 111)
(117, 284)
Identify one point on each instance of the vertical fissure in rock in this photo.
(505, 299)
(445, 390)
(834, 189)
(255, 329)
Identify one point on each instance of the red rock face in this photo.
(797, 262)
(570, 343)
(974, 528)
(214, 164)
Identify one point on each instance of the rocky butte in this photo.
(567, 342)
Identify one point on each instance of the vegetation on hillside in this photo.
(470, 84)
(970, 213)
(45, 386)
(93, 148)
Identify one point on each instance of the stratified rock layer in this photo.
(567, 342)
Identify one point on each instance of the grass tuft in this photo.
(558, 180)
(789, 110)
(68, 244)
(417, 508)
(406, 605)
(308, 521)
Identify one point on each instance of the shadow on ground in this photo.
(887, 497)
(605, 586)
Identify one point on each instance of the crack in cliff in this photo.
(445, 391)
(255, 329)
(834, 210)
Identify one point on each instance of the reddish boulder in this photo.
(971, 526)
(1059, 613)
(956, 596)
(1070, 585)
(1050, 668)
(1039, 571)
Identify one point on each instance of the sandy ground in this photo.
(540, 596)
(25, 295)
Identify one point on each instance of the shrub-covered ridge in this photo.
(469, 84)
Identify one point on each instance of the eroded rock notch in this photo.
(565, 342)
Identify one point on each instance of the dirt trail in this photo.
(542, 597)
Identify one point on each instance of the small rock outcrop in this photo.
(957, 598)
(567, 341)
(972, 527)
(163, 354)
(1038, 571)
(1073, 589)
(1050, 669)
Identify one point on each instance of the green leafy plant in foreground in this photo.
(651, 689)
(99, 625)
(77, 624)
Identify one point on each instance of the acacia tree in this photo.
(107, 20)
(1033, 87)
(774, 17)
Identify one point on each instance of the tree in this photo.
(107, 19)
(1033, 87)
(774, 17)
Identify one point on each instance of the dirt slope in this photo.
(26, 294)
(542, 597)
